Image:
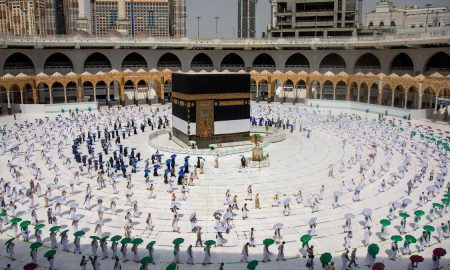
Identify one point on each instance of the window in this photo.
(381, 24)
(371, 24)
(393, 24)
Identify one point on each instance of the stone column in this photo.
(21, 97)
(50, 90)
(358, 87)
(65, 94)
(107, 94)
(80, 92)
(419, 105)
(321, 91)
(380, 92)
(334, 92)
(257, 92)
(406, 98)
(122, 94)
(368, 95)
(35, 95)
(393, 98)
(135, 97)
(9, 102)
(95, 93)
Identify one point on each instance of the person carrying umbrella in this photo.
(190, 256)
(104, 247)
(94, 245)
(280, 256)
(266, 253)
(244, 253)
(33, 255)
(207, 257)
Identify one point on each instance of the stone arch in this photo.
(58, 62)
(314, 89)
(134, 61)
(296, 63)
(263, 88)
(439, 62)
(444, 93)
(28, 94)
(264, 62)
(169, 61)
(412, 98)
(328, 90)
(332, 62)
(374, 93)
(402, 64)
(97, 62)
(15, 94)
(399, 96)
(88, 91)
(58, 94)
(43, 91)
(368, 62)
(341, 91)
(232, 62)
(202, 62)
(353, 94)
(71, 92)
(101, 92)
(3, 99)
(386, 98)
(253, 89)
(17, 63)
(168, 89)
(130, 91)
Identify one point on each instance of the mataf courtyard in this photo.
(111, 189)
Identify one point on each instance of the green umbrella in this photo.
(325, 258)
(9, 241)
(305, 238)
(411, 239)
(55, 228)
(178, 241)
(150, 245)
(419, 213)
(50, 253)
(79, 233)
(24, 224)
(94, 237)
(446, 201)
(125, 241)
(146, 260)
(396, 238)
(103, 239)
(64, 232)
(171, 266)
(2, 214)
(385, 222)
(36, 245)
(116, 238)
(404, 215)
(39, 227)
(373, 249)
(438, 205)
(210, 243)
(16, 220)
(268, 241)
(137, 241)
(428, 228)
(447, 195)
(252, 265)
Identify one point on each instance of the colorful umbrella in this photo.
(16, 220)
(94, 237)
(373, 249)
(252, 265)
(137, 241)
(171, 266)
(305, 238)
(50, 253)
(146, 260)
(178, 241)
(416, 258)
(325, 258)
(125, 241)
(210, 243)
(268, 241)
(24, 224)
(419, 213)
(439, 252)
(411, 239)
(438, 205)
(396, 238)
(150, 245)
(64, 232)
(428, 228)
(36, 245)
(9, 241)
(116, 238)
(404, 215)
(385, 222)
(79, 234)
(378, 266)
(39, 227)
(30, 266)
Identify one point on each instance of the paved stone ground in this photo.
(298, 163)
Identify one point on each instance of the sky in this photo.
(227, 11)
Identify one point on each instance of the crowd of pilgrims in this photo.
(98, 152)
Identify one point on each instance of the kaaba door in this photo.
(205, 118)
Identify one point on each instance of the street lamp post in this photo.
(426, 21)
(217, 19)
(198, 27)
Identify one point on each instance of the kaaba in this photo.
(211, 108)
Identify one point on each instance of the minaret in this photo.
(82, 21)
(122, 22)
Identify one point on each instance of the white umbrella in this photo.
(312, 221)
(100, 197)
(218, 212)
(349, 216)
(407, 201)
(74, 205)
(193, 215)
(113, 199)
(431, 188)
(77, 217)
(338, 193)
(359, 187)
(367, 212)
(220, 229)
(287, 201)
(227, 215)
(396, 204)
(278, 226)
(60, 200)
(177, 205)
(50, 185)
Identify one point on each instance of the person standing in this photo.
(190, 255)
(280, 256)
(199, 237)
(353, 259)
(244, 253)
(345, 260)
(207, 258)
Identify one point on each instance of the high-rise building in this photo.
(150, 17)
(66, 15)
(387, 16)
(297, 18)
(246, 18)
(24, 17)
(177, 18)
